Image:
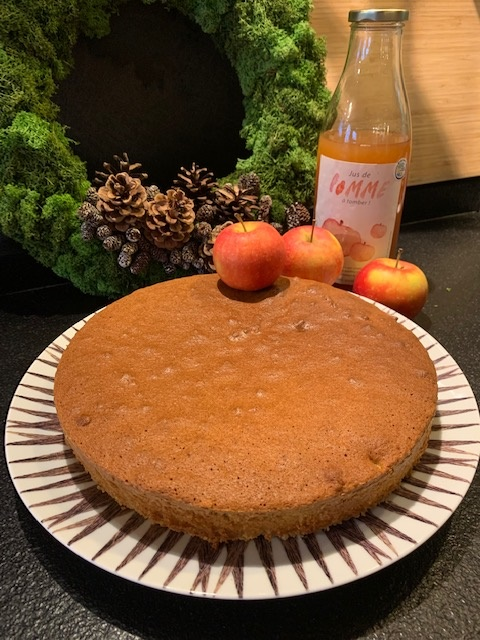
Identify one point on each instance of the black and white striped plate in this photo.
(63, 499)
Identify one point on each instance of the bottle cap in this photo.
(378, 15)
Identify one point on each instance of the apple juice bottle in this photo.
(364, 148)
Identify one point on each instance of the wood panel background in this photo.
(441, 57)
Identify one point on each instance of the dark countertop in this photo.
(50, 593)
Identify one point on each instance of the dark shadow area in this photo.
(254, 296)
(158, 89)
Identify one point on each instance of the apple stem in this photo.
(313, 229)
(399, 255)
(240, 219)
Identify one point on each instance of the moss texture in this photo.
(279, 62)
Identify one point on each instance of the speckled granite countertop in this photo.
(47, 592)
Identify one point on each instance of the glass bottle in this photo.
(365, 146)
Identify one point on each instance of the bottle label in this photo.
(359, 203)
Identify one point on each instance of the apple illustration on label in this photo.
(249, 255)
(347, 236)
(313, 253)
(378, 230)
(361, 252)
(397, 284)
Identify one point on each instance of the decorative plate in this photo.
(62, 497)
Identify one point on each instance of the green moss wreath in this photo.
(279, 62)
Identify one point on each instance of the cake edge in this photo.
(217, 526)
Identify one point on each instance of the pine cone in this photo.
(205, 250)
(124, 259)
(199, 265)
(232, 200)
(152, 191)
(91, 196)
(122, 200)
(133, 234)
(189, 253)
(119, 165)
(205, 213)
(197, 183)
(87, 210)
(140, 263)
(250, 183)
(88, 230)
(203, 230)
(176, 257)
(104, 231)
(158, 254)
(129, 248)
(264, 207)
(112, 243)
(169, 268)
(278, 226)
(170, 219)
(297, 215)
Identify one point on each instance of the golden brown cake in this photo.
(228, 415)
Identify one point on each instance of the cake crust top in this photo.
(244, 401)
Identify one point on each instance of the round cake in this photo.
(229, 415)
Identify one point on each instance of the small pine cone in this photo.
(96, 219)
(203, 229)
(88, 230)
(91, 196)
(86, 210)
(103, 231)
(140, 263)
(143, 244)
(152, 191)
(129, 248)
(206, 213)
(133, 234)
(297, 215)
(112, 243)
(176, 256)
(264, 208)
(124, 260)
(199, 264)
(169, 268)
(209, 266)
(186, 266)
(278, 226)
(250, 183)
(220, 227)
(205, 250)
(189, 253)
(158, 254)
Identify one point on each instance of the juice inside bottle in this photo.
(364, 150)
(368, 147)
(360, 193)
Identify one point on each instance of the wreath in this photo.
(46, 197)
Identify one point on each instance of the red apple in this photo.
(313, 253)
(249, 255)
(398, 284)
